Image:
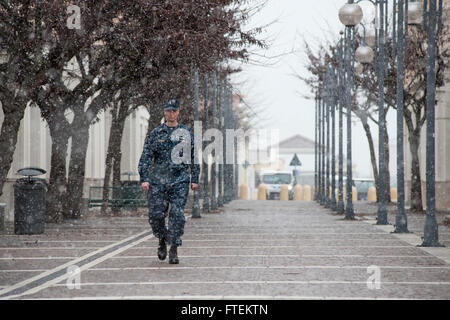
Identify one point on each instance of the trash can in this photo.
(2, 217)
(29, 202)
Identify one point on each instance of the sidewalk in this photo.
(248, 250)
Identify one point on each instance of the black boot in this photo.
(173, 257)
(162, 249)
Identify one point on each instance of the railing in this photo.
(119, 196)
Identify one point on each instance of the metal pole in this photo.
(401, 224)
(228, 166)
(205, 162)
(322, 201)
(236, 164)
(431, 238)
(340, 205)
(382, 212)
(225, 141)
(319, 148)
(220, 127)
(213, 165)
(328, 107)
(196, 200)
(315, 149)
(349, 212)
(333, 205)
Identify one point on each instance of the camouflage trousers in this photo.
(159, 199)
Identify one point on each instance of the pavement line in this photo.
(260, 267)
(91, 284)
(280, 240)
(324, 246)
(235, 297)
(281, 234)
(23, 270)
(48, 248)
(301, 255)
(37, 258)
(242, 255)
(51, 241)
(38, 282)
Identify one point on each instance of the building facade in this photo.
(442, 144)
(33, 148)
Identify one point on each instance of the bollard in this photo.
(2, 216)
(307, 195)
(372, 194)
(354, 194)
(261, 192)
(243, 192)
(284, 193)
(393, 194)
(298, 193)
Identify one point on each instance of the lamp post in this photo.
(430, 227)
(333, 204)
(323, 147)
(220, 127)
(382, 212)
(213, 124)
(315, 148)
(327, 106)
(350, 15)
(205, 162)
(319, 147)
(340, 205)
(236, 163)
(401, 224)
(196, 200)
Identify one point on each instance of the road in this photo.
(246, 250)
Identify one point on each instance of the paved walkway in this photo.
(247, 250)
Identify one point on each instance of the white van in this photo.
(273, 180)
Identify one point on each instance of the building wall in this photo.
(33, 148)
(442, 144)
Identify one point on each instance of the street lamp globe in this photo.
(350, 14)
(364, 54)
(414, 13)
(370, 38)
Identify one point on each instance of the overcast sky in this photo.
(274, 90)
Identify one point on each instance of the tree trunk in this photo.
(13, 111)
(77, 167)
(56, 193)
(416, 183)
(373, 159)
(114, 155)
(155, 119)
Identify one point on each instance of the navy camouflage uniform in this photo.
(164, 163)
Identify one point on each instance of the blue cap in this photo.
(171, 104)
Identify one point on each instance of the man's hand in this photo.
(194, 186)
(145, 186)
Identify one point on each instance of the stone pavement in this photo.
(246, 250)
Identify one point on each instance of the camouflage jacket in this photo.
(167, 155)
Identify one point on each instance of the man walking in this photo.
(163, 168)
